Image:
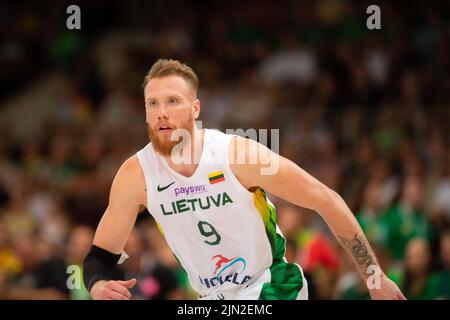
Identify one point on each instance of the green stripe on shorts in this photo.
(286, 278)
(286, 282)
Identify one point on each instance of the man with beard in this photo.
(207, 193)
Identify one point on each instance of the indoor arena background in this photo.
(364, 111)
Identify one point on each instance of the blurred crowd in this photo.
(366, 112)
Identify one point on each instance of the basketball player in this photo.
(213, 210)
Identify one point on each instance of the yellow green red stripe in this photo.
(216, 177)
(286, 279)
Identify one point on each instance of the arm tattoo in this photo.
(359, 250)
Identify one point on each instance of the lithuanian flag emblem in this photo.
(216, 177)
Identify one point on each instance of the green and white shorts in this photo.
(283, 281)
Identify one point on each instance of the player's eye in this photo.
(173, 101)
(152, 103)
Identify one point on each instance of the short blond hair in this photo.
(167, 67)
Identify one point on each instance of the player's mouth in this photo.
(165, 128)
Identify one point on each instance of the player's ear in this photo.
(196, 108)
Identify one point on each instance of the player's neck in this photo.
(196, 149)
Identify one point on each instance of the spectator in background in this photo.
(319, 257)
(43, 275)
(160, 253)
(406, 219)
(441, 281)
(315, 250)
(351, 287)
(439, 202)
(292, 254)
(293, 63)
(9, 262)
(17, 218)
(78, 245)
(370, 215)
(155, 280)
(383, 179)
(58, 168)
(415, 278)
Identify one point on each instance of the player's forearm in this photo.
(345, 227)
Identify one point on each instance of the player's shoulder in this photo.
(130, 171)
(128, 185)
(240, 145)
(131, 165)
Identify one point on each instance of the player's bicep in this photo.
(279, 176)
(252, 163)
(294, 184)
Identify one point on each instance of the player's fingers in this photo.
(115, 286)
(401, 296)
(114, 295)
(128, 284)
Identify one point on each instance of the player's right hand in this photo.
(112, 289)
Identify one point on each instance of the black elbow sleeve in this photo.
(99, 264)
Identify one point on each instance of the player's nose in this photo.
(162, 112)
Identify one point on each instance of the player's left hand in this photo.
(387, 290)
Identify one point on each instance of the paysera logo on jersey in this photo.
(227, 270)
(200, 188)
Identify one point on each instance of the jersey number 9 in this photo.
(207, 230)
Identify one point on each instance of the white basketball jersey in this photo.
(224, 235)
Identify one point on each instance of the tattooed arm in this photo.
(360, 250)
(347, 230)
(288, 181)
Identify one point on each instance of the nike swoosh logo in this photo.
(164, 188)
